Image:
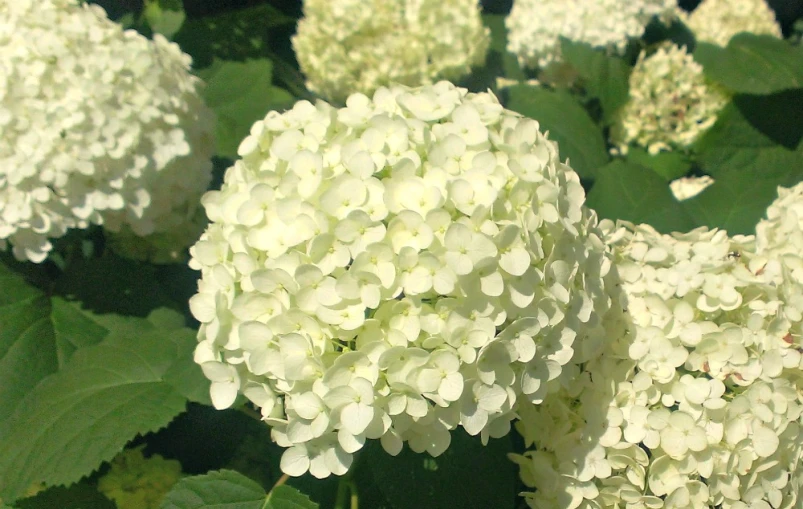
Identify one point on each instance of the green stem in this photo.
(250, 412)
(346, 491)
(355, 499)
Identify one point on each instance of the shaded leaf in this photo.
(111, 284)
(240, 93)
(468, 475)
(27, 345)
(77, 496)
(498, 54)
(734, 202)
(604, 77)
(287, 497)
(235, 35)
(749, 152)
(634, 193)
(579, 138)
(222, 488)
(84, 414)
(752, 64)
(185, 375)
(669, 165)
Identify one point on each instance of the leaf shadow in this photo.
(770, 114)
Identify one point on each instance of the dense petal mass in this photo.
(100, 126)
(347, 46)
(671, 103)
(717, 21)
(413, 283)
(702, 403)
(536, 26)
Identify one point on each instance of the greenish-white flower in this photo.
(536, 26)
(717, 21)
(671, 103)
(697, 401)
(348, 46)
(100, 126)
(393, 269)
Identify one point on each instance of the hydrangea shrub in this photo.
(394, 269)
(100, 126)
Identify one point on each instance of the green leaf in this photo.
(752, 64)
(669, 165)
(84, 414)
(604, 77)
(113, 285)
(468, 475)
(734, 202)
(27, 345)
(634, 193)
(38, 335)
(579, 138)
(185, 375)
(73, 328)
(240, 93)
(234, 35)
(164, 16)
(754, 147)
(77, 496)
(750, 130)
(287, 497)
(230, 489)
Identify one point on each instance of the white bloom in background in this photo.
(697, 402)
(671, 103)
(689, 187)
(394, 269)
(100, 126)
(348, 46)
(536, 26)
(717, 21)
(781, 233)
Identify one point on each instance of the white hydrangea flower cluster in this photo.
(348, 46)
(671, 103)
(699, 401)
(717, 21)
(100, 126)
(536, 26)
(393, 269)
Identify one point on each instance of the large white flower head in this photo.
(717, 21)
(698, 404)
(671, 103)
(347, 46)
(394, 269)
(100, 126)
(536, 26)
